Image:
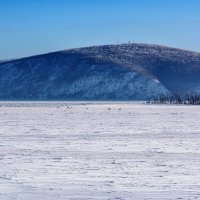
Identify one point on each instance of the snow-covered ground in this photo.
(73, 150)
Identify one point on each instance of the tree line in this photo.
(190, 99)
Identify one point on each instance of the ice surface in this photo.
(98, 150)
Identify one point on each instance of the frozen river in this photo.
(73, 150)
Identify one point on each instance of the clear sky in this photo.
(29, 27)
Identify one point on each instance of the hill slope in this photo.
(110, 72)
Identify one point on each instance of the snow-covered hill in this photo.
(117, 72)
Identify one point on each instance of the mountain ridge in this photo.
(91, 46)
(133, 71)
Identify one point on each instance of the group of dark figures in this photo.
(189, 99)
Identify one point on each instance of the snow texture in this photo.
(95, 150)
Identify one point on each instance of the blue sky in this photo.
(29, 27)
